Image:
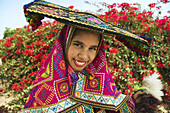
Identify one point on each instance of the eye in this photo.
(93, 48)
(78, 45)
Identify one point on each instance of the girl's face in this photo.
(82, 50)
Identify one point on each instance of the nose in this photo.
(83, 55)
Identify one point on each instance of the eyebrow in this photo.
(95, 46)
(78, 42)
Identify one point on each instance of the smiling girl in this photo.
(75, 77)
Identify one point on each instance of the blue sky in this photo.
(12, 15)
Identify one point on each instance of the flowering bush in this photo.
(129, 69)
(22, 55)
(23, 51)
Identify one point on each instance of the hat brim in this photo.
(35, 11)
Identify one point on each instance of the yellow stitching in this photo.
(72, 108)
(128, 107)
(120, 111)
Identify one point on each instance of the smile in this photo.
(79, 63)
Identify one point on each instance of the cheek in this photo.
(71, 53)
(92, 56)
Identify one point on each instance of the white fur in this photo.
(153, 86)
(0, 61)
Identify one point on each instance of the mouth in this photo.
(79, 63)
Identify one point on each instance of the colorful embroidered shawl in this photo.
(52, 91)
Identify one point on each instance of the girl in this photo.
(75, 77)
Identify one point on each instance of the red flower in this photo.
(106, 46)
(18, 51)
(160, 65)
(33, 73)
(138, 61)
(15, 34)
(13, 56)
(14, 87)
(54, 22)
(143, 77)
(145, 25)
(99, 10)
(40, 43)
(31, 53)
(111, 6)
(28, 30)
(37, 33)
(55, 30)
(26, 52)
(12, 38)
(124, 5)
(152, 71)
(114, 50)
(37, 57)
(8, 43)
(20, 39)
(71, 7)
(158, 7)
(50, 35)
(164, 1)
(152, 5)
(43, 58)
(131, 73)
(150, 13)
(8, 53)
(32, 45)
(1, 89)
(135, 8)
(160, 76)
(139, 17)
(163, 22)
(146, 30)
(19, 43)
(125, 18)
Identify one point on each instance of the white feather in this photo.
(153, 86)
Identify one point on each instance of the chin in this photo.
(78, 70)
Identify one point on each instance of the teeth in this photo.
(80, 63)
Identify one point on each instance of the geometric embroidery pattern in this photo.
(57, 65)
(131, 104)
(82, 109)
(85, 96)
(62, 89)
(44, 94)
(31, 97)
(60, 106)
(62, 65)
(95, 85)
(111, 88)
(98, 63)
(125, 109)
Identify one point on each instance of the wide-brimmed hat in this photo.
(37, 10)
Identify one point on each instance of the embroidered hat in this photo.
(37, 10)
